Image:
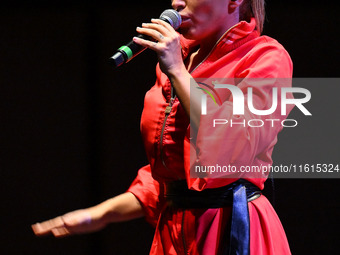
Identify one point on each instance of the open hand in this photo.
(76, 222)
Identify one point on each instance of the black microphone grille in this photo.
(173, 17)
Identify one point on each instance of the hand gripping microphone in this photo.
(127, 52)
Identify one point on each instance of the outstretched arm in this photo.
(120, 208)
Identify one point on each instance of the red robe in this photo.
(240, 53)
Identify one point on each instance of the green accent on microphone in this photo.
(127, 50)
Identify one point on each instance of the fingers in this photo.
(55, 226)
(46, 227)
(160, 31)
(164, 24)
(154, 31)
(60, 232)
(71, 223)
(159, 26)
(146, 43)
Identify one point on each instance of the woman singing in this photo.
(222, 214)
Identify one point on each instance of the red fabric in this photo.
(200, 231)
(149, 193)
(267, 235)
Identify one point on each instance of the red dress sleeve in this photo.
(149, 193)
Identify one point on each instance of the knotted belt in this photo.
(236, 194)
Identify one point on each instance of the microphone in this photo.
(127, 52)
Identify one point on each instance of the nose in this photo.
(178, 5)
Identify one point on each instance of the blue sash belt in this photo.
(236, 194)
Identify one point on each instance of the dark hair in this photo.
(253, 8)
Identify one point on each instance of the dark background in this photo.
(69, 123)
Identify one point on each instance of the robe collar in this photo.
(230, 40)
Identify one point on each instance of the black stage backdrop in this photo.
(70, 122)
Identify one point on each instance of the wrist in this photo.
(177, 72)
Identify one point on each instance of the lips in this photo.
(185, 20)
